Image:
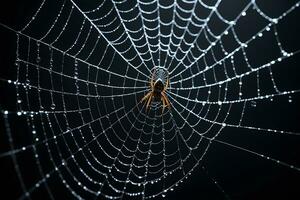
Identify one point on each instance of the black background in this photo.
(242, 175)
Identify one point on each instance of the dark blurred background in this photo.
(242, 175)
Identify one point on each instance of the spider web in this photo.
(72, 116)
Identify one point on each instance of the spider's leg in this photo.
(146, 96)
(167, 102)
(149, 100)
(163, 102)
(167, 85)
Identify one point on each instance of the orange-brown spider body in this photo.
(157, 93)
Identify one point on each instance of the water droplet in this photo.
(63, 162)
(17, 63)
(38, 59)
(52, 106)
(253, 103)
(275, 21)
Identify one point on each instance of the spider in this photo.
(157, 93)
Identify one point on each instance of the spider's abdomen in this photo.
(159, 81)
